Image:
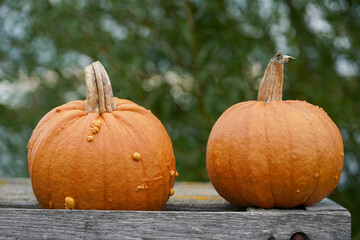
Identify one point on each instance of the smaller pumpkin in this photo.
(102, 153)
(273, 153)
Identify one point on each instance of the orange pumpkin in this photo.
(273, 153)
(102, 153)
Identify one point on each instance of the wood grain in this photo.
(77, 224)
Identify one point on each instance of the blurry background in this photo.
(187, 61)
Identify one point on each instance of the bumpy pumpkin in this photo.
(273, 153)
(102, 153)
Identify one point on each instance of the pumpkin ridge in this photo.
(127, 188)
(42, 125)
(337, 135)
(164, 172)
(138, 110)
(72, 192)
(267, 157)
(335, 148)
(38, 141)
(146, 179)
(119, 102)
(237, 123)
(104, 162)
(45, 138)
(73, 105)
(240, 106)
(50, 172)
(123, 124)
(297, 105)
(299, 196)
(290, 150)
(327, 124)
(132, 107)
(39, 130)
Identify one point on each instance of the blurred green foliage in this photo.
(187, 61)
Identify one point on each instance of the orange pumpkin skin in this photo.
(102, 173)
(277, 154)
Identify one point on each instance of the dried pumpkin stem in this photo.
(271, 85)
(99, 95)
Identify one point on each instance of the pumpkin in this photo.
(102, 153)
(273, 153)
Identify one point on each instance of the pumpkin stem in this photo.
(99, 95)
(271, 85)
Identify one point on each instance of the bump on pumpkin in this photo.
(172, 191)
(69, 203)
(136, 156)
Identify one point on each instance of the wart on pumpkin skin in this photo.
(94, 129)
(172, 173)
(141, 187)
(136, 156)
(58, 109)
(172, 191)
(96, 123)
(69, 203)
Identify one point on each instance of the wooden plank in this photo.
(19, 189)
(326, 205)
(170, 206)
(189, 196)
(76, 224)
(196, 211)
(20, 204)
(16, 189)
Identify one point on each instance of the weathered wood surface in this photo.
(196, 211)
